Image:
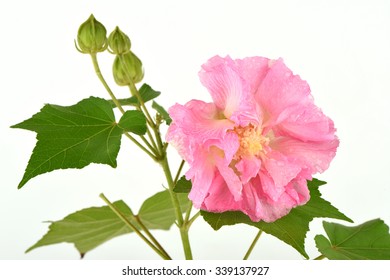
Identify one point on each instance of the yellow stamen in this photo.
(251, 141)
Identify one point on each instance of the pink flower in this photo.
(254, 147)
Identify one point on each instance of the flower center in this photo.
(252, 143)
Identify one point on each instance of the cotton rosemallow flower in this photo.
(254, 147)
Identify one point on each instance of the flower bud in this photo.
(127, 69)
(91, 36)
(118, 42)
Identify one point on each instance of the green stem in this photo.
(186, 243)
(188, 213)
(178, 172)
(179, 217)
(321, 257)
(118, 104)
(150, 235)
(140, 146)
(162, 157)
(152, 140)
(133, 227)
(171, 185)
(134, 91)
(101, 78)
(152, 148)
(253, 245)
(189, 223)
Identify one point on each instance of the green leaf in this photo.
(146, 93)
(72, 137)
(133, 121)
(164, 114)
(87, 228)
(291, 228)
(183, 185)
(157, 212)
(368, 241)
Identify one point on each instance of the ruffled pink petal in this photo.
(298, 191)
(220, 198)
(315, 156)
(280, 91)
(198, 121)
(255, 202)
(229, 145)
(213, 157)
(229, 91)
(177, 138)
(253, 70)
(233, 182)
(201, 174)
(307, 123)
(281, 169)
(270, 190)
(248, 167)
(258, 206)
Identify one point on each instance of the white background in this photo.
(340, 47)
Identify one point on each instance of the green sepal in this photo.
(163, 113)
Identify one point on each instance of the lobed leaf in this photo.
(72, 137)
(368, 241)
(90, 227)
(291, 228)
(87, 228)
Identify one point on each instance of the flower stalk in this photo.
(253, 244)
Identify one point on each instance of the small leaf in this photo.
(157, 212)
(164, 114)
(72, 137)
(291, 228)
(146, 93)
(368, 241)
(133, 121)
(87, 228)
(183, 185)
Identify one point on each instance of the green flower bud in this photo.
(91, 37)
(127, 69)
(118, 42)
